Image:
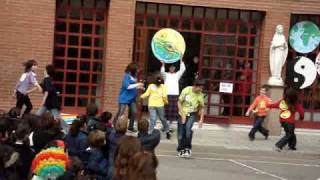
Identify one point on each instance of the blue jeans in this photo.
(258, 127)
(154, 111)
(131, 114)
(56, 115)
(185, 132)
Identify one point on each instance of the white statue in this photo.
(278, 56)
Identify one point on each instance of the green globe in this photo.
(304, 37)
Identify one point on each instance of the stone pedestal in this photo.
(272, 120)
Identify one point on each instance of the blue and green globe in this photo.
(168, 45)
(304, 37)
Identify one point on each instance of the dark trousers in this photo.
(289, 138)
(132, 113)
(23, 100)
(257, 126)
(185, 132)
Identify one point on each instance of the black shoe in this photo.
(132, 130)
(266, 136)
(278, 148)
(292, 148)
(168, 135)
(251, 138)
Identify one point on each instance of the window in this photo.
(228, 48)
(79, 51)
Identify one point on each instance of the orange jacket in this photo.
(260, 105)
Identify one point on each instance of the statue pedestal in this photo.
(273, 81)
(272, 120)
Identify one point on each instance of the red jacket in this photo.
(286, 115)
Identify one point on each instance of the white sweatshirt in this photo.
(171, 80)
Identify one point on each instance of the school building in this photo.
(90, 42)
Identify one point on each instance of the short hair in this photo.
(121, 125)
(96, 138)
(198, 82)
(143, 126)
(28, 64)
(142, 166)
(92, 109)
(264, 86)
(106, 116)
(47, 121)
(50, 70)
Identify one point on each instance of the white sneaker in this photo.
(180, 153)
(187, 153)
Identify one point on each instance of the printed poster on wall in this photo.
(226, 87)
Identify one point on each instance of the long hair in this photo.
(291, 98)
(128, 146)
(142, 166)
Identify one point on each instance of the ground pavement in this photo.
(225, 152)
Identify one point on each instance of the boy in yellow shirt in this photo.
(157, 94)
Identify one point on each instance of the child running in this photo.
(288, 107)
(26, 85)
(259, 107)
(157, 94)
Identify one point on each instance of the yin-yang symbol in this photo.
(300, 72)
(307, 69)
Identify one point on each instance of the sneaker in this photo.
(168, 135)
(266, 136)
(278, 149)
(180, 153)
(187, 153)
(292, 149)
(132, 130)
(251, 138)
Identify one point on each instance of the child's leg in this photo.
(121, 109)
(181, 135)
(160, 112)
(293, 140)
(263, 130)
(285, 139)
(153, 118)
(255, 127)
(28, 103)
(189, 124)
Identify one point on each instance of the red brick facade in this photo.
(27, 28)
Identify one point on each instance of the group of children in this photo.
(36, 147)
(288, 106)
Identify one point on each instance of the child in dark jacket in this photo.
(114, 137)
(76, 140)
(97, 165)
(22, 146)
(148, 141)
(288, 107)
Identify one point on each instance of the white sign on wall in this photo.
(226, 87)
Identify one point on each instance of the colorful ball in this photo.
(168, 45)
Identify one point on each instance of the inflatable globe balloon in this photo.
(304, 37)
(168, 45)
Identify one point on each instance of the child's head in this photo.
(198, 85)
(128, 147)
(30, 65)
(172, 68)
(143, 126)
(76, 126)
(143, 166)
(47, 121)
(121, 125)
(92, 109)
(263, 90)
(106, 117)
(22, 134)
(132, 69)
(50, 70)
(158, 80)
(96, 138)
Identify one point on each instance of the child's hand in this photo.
(247, 113)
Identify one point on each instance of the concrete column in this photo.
(272, 120)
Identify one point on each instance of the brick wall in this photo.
(26, 31)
